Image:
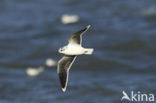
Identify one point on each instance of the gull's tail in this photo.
(89, 51)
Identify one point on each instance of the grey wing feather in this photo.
(63, 68)
(77, 37)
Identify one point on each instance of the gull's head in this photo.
(62, 49)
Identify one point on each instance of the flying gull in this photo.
(71, 51)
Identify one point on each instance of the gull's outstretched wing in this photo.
(77, 37)
(63, 69)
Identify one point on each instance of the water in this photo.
(122, 33)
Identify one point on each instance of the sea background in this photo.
(122, 33)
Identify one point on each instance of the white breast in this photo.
(74, 49)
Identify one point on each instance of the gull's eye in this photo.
(62, 49)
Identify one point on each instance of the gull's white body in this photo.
(75, 49)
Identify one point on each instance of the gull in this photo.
(71, 51)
